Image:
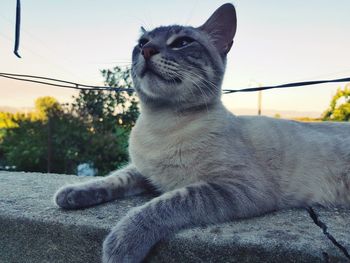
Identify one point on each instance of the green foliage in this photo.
(24, 142)
(24, 146)
(108, 117)
(56, 138)
(6, 120)
(45, 105)
(306, 119)
(339, 109)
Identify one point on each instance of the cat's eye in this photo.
(142, 42)
(181, 42)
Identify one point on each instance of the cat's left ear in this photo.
(221, 27)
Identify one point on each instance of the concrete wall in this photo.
(34, 230)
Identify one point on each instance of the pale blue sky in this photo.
(276, 42)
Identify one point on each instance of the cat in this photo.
(208, 165)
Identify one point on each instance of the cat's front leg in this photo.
(124, 182)
(199, 204)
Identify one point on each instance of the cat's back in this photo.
(262, 125)
(292, 142)
(331, 128)
(310, 160)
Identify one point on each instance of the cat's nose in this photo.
(148, 52)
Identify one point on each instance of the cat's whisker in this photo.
(178, 75)
(204, 81)
(205, 96)
(204, 70)
(193, 70)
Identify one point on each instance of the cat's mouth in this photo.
(151, 71)
(147, 70)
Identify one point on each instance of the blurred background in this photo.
(45, 128)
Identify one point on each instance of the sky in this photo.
(276, 42)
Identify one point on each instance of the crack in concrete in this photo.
(323, 226)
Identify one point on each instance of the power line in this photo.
(289, 85)
(75, 85)
(59, 83)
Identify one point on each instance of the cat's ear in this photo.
(221, 27)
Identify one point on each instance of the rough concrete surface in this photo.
(34, 230)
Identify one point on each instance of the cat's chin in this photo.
(156, 89)
(151, 87)
(154, 78)
(145, 71)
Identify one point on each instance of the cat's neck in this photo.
(167, 120)
(151, 110)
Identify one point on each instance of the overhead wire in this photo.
(76, 85)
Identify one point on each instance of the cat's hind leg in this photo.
(124, 182)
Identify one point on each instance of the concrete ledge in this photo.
(34, 230)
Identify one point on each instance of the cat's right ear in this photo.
(221, 27)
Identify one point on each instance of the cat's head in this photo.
(181, 66)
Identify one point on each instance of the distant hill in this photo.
(15, 109)
(267, 112)
(281, 113)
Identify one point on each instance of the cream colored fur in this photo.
(306, 163)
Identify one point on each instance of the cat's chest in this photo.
(168, 157)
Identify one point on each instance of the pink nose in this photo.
(148, 52)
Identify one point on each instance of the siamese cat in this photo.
(208, 165)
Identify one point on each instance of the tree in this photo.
(103, 109)
(56, 138)
(24, 142)
(339, 109)
(23, 145)
(6, 120)
(44, 106)
(109, 117)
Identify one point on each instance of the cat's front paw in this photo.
(75, 197)
(126, 243)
